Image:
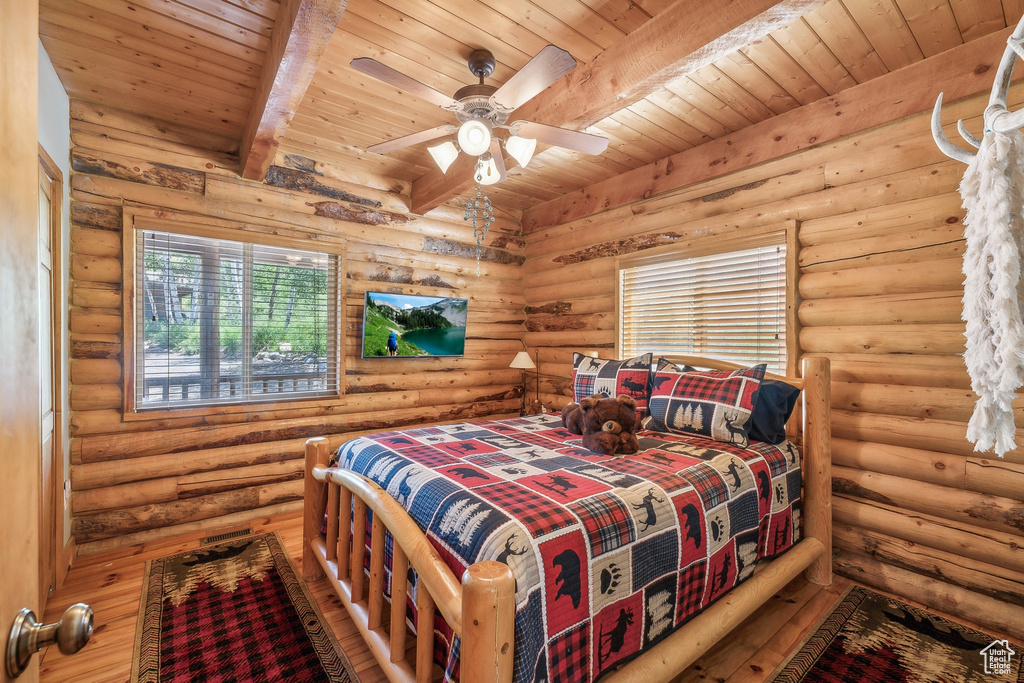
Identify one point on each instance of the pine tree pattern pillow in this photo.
(612, 377)
(716, 404)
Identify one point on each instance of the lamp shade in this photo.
(487, 172)
(522, 361)
(444, 154)
(474, 137)
(521, 149)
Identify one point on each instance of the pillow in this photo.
(611, 378)
(774, 405)
(716, 404)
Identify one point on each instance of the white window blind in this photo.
(730, 306)
(232, 322)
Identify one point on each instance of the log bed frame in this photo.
(481, 609)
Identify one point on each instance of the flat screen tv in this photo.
(409, 325)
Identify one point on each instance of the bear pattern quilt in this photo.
(610, 554)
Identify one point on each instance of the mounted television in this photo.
(409, 325)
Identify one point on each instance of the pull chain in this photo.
(479, 210)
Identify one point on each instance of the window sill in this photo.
(264, 409)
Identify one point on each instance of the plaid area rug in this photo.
(234, 611)
(870, 638)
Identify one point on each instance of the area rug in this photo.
(234, 611)
(870, 638)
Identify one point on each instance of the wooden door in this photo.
(19, 318)
(48, 219)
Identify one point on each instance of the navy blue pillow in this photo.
(772, 408)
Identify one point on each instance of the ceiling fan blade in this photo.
(412, 139)
(560, 137)
(499, 160)
(382, 72)
(546, 67)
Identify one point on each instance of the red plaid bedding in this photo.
(609, 554)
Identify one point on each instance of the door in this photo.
(19, 317)
(50, 459)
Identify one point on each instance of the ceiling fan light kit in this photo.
(475, 137)
(444, 155)
(521, 149)
(486, 172)
(480, 108)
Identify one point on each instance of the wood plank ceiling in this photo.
(198, 62)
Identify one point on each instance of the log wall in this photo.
(917, 512)
(133, 480)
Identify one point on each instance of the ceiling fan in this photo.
(481, 109)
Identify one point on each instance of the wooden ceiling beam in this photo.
(302, 31)
(687, 36)
(960, 72)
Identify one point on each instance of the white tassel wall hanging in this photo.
(993, 197)
(993, 193)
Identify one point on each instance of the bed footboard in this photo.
(480, 610)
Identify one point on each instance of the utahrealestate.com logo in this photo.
(998, 657)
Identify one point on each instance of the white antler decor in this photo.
(993, 197)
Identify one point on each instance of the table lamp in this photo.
(523, 362)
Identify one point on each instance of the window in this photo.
(729, 305)
(220, 321)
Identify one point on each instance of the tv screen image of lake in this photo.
(450, 341)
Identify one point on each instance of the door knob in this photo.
(28, 636)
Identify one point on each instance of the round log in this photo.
(917, 370)
(95, 371)
(991, 512)
(967, 540)
(921, 245)
(922, 276)
(916, 308)
(926, 402)
(883, 219)
(95, 396)
(96, 295)
(999, 583)
(93, 242)
(926, 339)
(95, 321)
(912, 463)
(943, 436)
(96, 268)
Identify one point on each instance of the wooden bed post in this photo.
(817, 465)
(317, 455)
(488, 622)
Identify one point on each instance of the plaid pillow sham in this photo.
(612, 377)
(717, 404)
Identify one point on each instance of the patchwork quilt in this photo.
(610, 554)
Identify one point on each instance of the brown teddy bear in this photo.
(608, 425)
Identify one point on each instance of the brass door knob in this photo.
(28, 636)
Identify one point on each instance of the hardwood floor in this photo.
(112, 584)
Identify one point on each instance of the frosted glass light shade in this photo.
(522, 361)
(521, 149)
(486, 172)
(474, 137)
(444, 155)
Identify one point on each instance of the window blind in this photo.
(729, 306)
(220, 321)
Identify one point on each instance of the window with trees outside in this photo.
(729, 305)
(221, 322)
